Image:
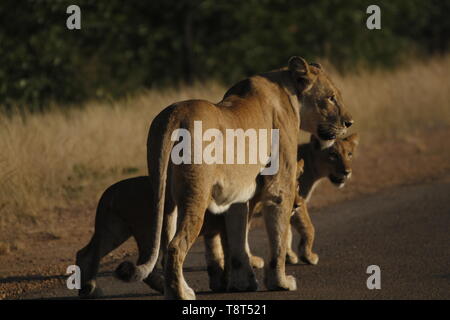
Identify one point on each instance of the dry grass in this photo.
(409, 100)
(55, 160)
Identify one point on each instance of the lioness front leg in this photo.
(240, 275)
(276, 213)
(302, 222)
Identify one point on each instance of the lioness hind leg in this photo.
(240, 274)
(88, 259)
(191, 214)
(302, 222)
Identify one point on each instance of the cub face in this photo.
(335, 162)
(322, 111)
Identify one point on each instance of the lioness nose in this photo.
(348, 123)
(347, 172)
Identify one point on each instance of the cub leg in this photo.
(155, 279)
(105, 239)
(255, 261)
(240, 275)
(291, 256)
(302, 222)
(215, 261)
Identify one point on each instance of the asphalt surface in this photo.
(405, 231)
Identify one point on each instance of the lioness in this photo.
(272, 100)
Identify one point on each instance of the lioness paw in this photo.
(289, 283)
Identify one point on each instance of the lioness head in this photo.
(335, 162)
(322, 111)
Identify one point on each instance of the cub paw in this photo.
(257, 262)
(217, 281)
(242, 281)
(155, 281)
(291, 257)
(90, 291)
(312, 259)
(126, 271)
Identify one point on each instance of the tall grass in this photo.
(59, 159)
(403, 101)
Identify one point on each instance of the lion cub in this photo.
(314, 164)
(124, 211)
(333, 163)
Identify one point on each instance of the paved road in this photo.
(405, 231)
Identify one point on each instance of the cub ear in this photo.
(301, 73)
(300, 165)
(353, 139)
(316, 64)
(298, 65)
(315, 142)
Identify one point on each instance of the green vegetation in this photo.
(125, 46)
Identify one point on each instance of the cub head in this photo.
(322, 111)
(335, 162)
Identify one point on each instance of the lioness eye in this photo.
(350, 154)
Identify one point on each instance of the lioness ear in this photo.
(301, 73)
(353, 139)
